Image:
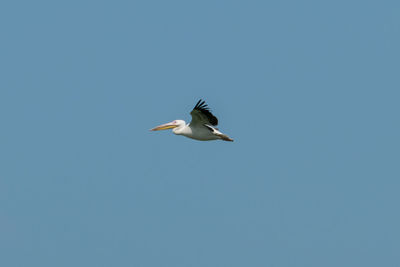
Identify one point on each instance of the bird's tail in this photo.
(225, 137)
(219, 134)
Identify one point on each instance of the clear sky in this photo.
(309, 90)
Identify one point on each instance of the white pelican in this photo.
(200, 128)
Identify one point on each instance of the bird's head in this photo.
(169, 125)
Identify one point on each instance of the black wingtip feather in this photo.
(203, 107)
(197, 104)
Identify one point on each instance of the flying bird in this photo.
(200, 128)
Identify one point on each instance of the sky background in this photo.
(309, 90)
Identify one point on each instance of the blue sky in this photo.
(309, 90)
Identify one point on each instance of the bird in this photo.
(202, 127)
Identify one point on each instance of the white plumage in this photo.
(200, 128)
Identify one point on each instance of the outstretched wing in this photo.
(201, 114)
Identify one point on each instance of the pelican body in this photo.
(200, 128)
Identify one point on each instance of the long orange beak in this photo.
(165, 126)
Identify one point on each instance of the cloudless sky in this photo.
(309, 90)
